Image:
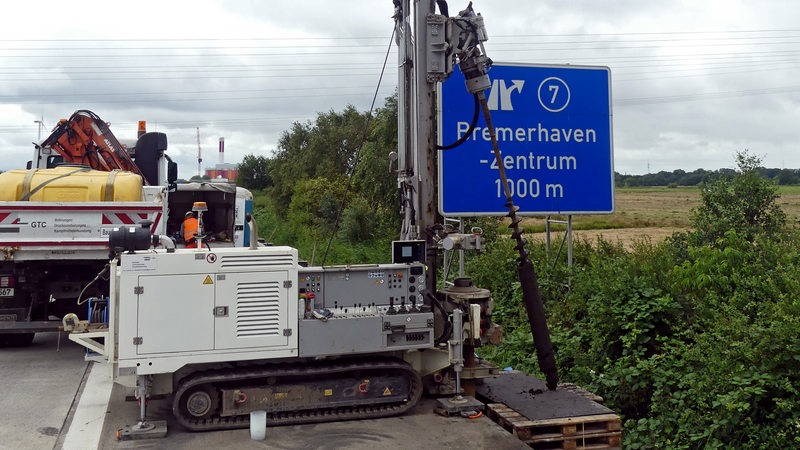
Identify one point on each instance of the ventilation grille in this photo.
(256, 259)
(258, 309)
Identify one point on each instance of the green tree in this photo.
(358, 221)
(350, 150)
(742, 200)
(372, 176)
(326, 147)
(787, 177)
(314, 206)
(254, 172)
(693, 178)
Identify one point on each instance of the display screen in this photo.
(408, 251)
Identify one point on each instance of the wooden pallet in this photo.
(601, 431)
(574, 388)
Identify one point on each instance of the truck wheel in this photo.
(16, 339)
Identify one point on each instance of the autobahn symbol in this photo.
(553, 94)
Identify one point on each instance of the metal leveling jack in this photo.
(458, 404)
(144, 429)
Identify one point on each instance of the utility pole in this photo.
(41, 125)
(36, 161)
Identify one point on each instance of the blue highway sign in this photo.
(553, 124)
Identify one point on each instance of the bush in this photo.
(744, 201)
(693, 340)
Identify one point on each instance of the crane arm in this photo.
(85, 139)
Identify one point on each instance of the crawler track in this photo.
(215, 381)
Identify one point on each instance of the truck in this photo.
(239, 334)
(56, 217)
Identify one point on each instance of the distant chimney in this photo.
(222, 150)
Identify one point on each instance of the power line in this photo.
(627, 53)
(382, 38)
(704, 96)
(226, 91)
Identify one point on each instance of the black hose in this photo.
(466, 135)
(104, 271)
(443, 8)
(448, 326)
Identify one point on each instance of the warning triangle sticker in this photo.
(208, 280)
(387, 391)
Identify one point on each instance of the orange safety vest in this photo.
(190, 227)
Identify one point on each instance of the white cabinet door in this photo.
(172, 320)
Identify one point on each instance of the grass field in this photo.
(649, 212)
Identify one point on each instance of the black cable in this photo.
(443, 8)
(448, 326)
(472, 125)
(449, 266)
(104, 271)
(358, 152)
(476, 111)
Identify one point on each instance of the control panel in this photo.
(363, 309)
(362, 289)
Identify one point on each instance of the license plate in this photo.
(6, 292)
(8, 317)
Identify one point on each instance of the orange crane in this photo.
(85, 139)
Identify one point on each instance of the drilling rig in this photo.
(260, 331)
(430, 45)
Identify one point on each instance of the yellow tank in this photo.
(70, 184)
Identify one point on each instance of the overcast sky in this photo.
(692, 81)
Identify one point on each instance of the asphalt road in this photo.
(53, 399)
(39, 384)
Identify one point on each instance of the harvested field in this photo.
(653, 213)
(627, 236)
